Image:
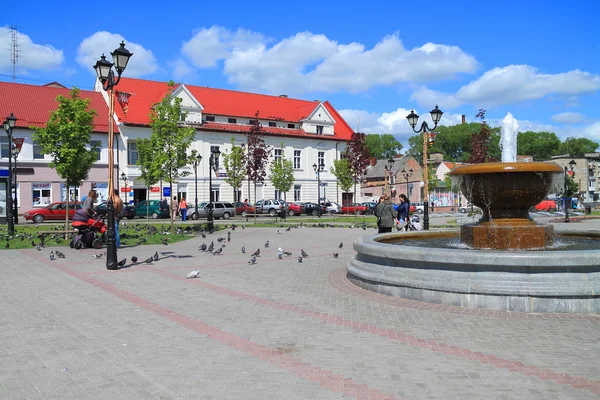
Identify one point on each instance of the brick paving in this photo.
(275, 330)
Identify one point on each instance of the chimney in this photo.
(373, 161)
(464, 120)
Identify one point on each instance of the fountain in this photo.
(505, 261)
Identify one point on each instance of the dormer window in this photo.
(232, 120)
(319, 129)
(210, 118)
(291, 126)
(272, 124)
(252, 121)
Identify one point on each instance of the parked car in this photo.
(128, 210)
(313, 209)
(243, 209)
(295, 208)
(156, 209)
(220, 210)
(332, 207)
(546, 205)
(270, 207)
(468, 207)
(354, 208)
(371, 206)
(52, 212)
(418, 206)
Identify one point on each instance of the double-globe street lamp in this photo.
(388, 167)
(213, 163)
(16, 150)
(105, 74)
(318, 169)
(428, 135)
(124, 179)
(407, 174)
(9, 124)
(567, 200)
(197, 160)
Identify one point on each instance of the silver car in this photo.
(221, 210)
(270, 207)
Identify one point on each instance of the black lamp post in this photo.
(15, 154)
(124, 179)
(105, 74)
(318, 170)
(9, 124)
(213, 163)
(196, 162)
(406, 175)
(388, 167)
(566, 199)
(413, 118)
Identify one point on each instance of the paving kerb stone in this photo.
(303, 294)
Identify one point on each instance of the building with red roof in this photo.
(37, 183)
(311, 132)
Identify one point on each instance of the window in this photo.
(278, 155)
(232, 120)
(292, 126)
(297, 192)
(96, 146)
(321, 159)
(319, 129)
(73, 193)
(4, 147)
(41, 194)
(37, 152)
(278, 194)
(252, 121)
(132, 154)
(210, 118)
(272, 123)
(297, 155)
(216, 192)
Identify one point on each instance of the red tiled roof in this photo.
(223, 102)
(32, 104)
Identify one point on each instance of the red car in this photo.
(243, 209)
(353, 208)
(295, 208)
(53, 211)
(546, 205)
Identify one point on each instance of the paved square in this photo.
(279, 329)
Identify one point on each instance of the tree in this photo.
(170, 139)
(66, 138)
(358, 157)
(282, 174)
(382, 146)
(148, 169)
(343, 173)
(577, 147)
(258, 155)
(540, 145)
(480, 141)
(234, 162)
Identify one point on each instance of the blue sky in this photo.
(374, 61)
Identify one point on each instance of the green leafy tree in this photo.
(343, 173)
(234, 162)
(382, 146)
(282, 174)
(540, 145)
(577, 147)
(257, 156)
(170, 139)
(66, 138)
(149, 173)
(432, 179)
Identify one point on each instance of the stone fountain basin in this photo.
(526, 281)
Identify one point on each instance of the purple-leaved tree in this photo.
(258, 155)
(358, 156)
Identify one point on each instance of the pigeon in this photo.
(288, 229)
(287, 253)
(221, 240)
(279, 249)
(303, 253)
(202, 247)
(193, 274)
(155, 256)
(99, 255)
(229, 236)
(59, 254)
(38, 247)
(122, 262)
(243, 249)
(134, 259)
(203, 236)
(218, 251)
(256, 253)
(280, 255)
(164, 241)
(300, 260)
(278, 231)
(335, 255)
(211, 247)
(266, 244)
(243, 226)
(149, 260)
(7, 245)
(341, 245)
(52, 257)
(252, 260)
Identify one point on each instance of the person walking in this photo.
(386, 215)
(173, 208)
(118, 205)
(404, 210)
(183, 209)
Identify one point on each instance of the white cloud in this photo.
(91, 48)
(512, 84)
(592, 131)
(307, 62)
(32, 56)
(568, 117)
(180, 69)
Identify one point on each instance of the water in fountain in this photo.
(508, 141)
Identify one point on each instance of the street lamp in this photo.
(196, 162)
(406, 175)
(213, 163)
(105, 74)
(428, 136)
(15, 153)
(9, 124)
(318, 170)
(388, 167)
(567, 201)
(124, 179)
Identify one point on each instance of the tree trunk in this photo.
(354, 202)
(148, 203)
(67, 213)
(170, 191)
(255, 210)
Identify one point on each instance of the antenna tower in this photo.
(14, 50)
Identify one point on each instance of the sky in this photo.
(374, 61)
